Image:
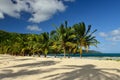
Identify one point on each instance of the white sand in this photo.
(34, 68)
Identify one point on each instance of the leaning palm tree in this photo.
(90, 41)
(83, 36)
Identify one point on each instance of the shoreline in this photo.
(61, 57)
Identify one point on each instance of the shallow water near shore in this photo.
(100, 56)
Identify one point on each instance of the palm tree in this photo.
(31, 43)
(90, 41)
(70, 43)
(63, 32)
(45, 43)
(64, 39)
(54, 43)
(83, 36)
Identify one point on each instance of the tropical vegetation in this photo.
(64, 39)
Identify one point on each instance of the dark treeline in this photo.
(64, 39)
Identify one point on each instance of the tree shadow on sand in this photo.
(86, 72)
(36, 64)
(9, 73)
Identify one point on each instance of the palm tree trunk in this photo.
(33, 54)
(87, 49)
(55, 55)
(68, 55)
(39, 54)
(64, 52)
(80, 51)
(45, 55)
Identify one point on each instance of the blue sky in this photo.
(37, 16)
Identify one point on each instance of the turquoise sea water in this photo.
(100, 56)
(92, 55)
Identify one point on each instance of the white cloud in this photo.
(40, 10)
(7, 7)
(44, 9)
(113, 35)
(116, 32)
(33, 28)
(114, 38)
(102, 34)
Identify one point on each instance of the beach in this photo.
(39, 68)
